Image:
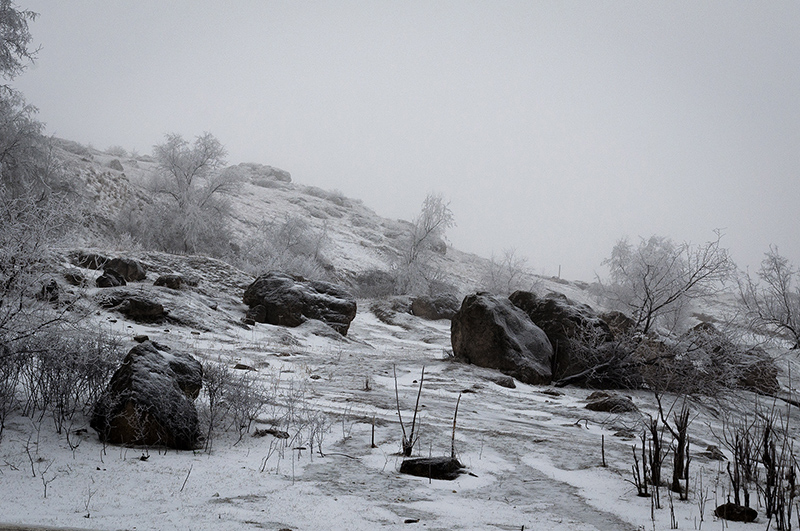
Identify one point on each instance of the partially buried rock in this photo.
(133, 305)
(289, 300)
(611, 404)
(129, 269)
(150, 400)
(171, 281)
(505, 381)
(434, 308)
(735, 513)
(448, 468)
(491, 332)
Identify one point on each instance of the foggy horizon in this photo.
(552, 128)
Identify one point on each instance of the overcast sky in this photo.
(552, 127)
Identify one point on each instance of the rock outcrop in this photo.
(133, 305)
(491, 332)
(150, 400)
(288, 300)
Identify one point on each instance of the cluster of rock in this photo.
(536, 340)
(539, 340)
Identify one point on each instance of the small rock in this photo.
(612, 404)
(141, 338)
(735, 513)
(243, 367)
(170, 281)
(505, 381)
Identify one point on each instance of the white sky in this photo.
(552, 127)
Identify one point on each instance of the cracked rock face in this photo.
(287, 300)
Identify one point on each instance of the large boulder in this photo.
(574, 330)
(435, 307)
(491, 332)
(129, 269)
(288, 300)
(150, 400)
(133, 305)
(110, 279)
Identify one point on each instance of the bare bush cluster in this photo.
(58, 373)
(772, 299)
(291, 245)
(506, 274)
(188, 212)
(416, 271)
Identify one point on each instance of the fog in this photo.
(552, 127)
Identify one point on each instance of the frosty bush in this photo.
(291, 245)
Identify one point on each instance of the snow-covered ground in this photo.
(534, 455)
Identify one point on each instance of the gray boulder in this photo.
(133, 305)
(574, 330)
(435, 307)
(491, 332)
(150, 400)
(288, 300)
(110, 279)
(171, 281)
(129, 269)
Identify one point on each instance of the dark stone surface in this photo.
(493, 333)
(171, 281)
(289, 300)
(129, 269)
(735, 513)
(149, 400)
(574, 330)
(448, 468)
(110, 279)
(133, 305)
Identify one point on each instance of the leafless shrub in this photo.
(506, 274)
(772, 305)
(291, 245)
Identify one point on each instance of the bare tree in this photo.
(773, 306)
(426, 237)
(507, 274)
(16, 37)
(658, 277)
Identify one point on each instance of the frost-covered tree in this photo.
(772, 300)
(657, 278)
(190, 213)
(506, 274)
(426, 237)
